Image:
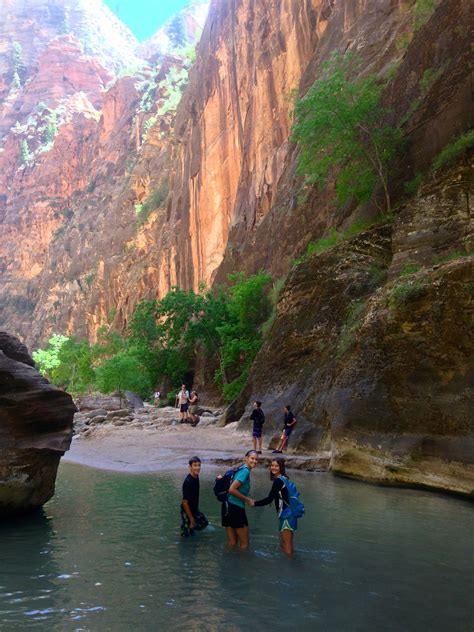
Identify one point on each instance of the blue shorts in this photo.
(287, 521)
(257, 432)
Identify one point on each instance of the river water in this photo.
(105, 554)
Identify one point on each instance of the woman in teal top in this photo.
(234, 518)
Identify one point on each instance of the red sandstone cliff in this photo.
(217, 180)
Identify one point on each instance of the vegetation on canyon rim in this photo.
(340, 125)
(163, 338)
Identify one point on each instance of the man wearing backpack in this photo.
(258, 419)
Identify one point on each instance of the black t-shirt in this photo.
(257, 417)
(191, 493)
(289, 418)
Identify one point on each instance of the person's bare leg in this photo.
(254, 440)
(259, 441)
(243, 537)
(231, 537)
(286, 541)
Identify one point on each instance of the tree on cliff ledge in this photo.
(340, 125)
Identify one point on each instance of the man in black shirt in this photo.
(289, 424)
(258, 419)
(191, 517)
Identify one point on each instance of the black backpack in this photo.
(223, 483)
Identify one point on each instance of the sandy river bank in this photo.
(149, 449)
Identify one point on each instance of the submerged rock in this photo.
(35, 430)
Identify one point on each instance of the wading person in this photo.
(182, 399)
(234, 518)
(258, 419)
(280, 493)
(191, 517)
(193, 408)
(289, 421)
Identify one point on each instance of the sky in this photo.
(144, 17)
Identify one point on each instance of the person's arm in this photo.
(234, 490)
(187, 511)
(273, 495)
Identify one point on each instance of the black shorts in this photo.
(183, 408)
(233, 516)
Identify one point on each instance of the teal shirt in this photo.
(243, 475)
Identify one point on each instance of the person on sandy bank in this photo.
(182, 399)
(258, 419)
(234, 518)
(289, 421)
(193, 408)
(191, 518)
(288, 522)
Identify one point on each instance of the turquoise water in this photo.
(105, 554)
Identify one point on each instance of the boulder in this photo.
(36, 421)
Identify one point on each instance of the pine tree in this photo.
(177, 31)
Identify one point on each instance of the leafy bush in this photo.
(422, 11)
(454, 150)
(155, 200)
(405, 292)
(412, 186)
(340, 124)
(430, 76)
(409, 268)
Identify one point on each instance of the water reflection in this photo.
(107, 555)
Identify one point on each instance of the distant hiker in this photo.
(258, 419)
(234, 518)
(182, 399)
(289, 424)
(193, 408)
(191, 518)
(287, 504)
(156, 398)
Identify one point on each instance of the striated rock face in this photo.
(35, 430)
(379, 367)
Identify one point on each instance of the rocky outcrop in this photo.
(35, 430)
(377, 361)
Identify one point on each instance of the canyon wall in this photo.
(130, 196)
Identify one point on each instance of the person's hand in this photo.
(250, 502)
(192, 524)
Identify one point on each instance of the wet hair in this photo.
(250, 452)
(258, 403)
(288, 407)
(194, 459)
(281, 463)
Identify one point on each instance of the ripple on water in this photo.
(106, 555)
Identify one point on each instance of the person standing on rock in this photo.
(191, 518)
(182, 399)
(289, 424)
(258, 419)
(156, 398)
(193, 408)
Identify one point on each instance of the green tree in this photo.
(340, 125)
(177, 32)
(25, 153)
(240, 336)
(123, 371)
(48, 359)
